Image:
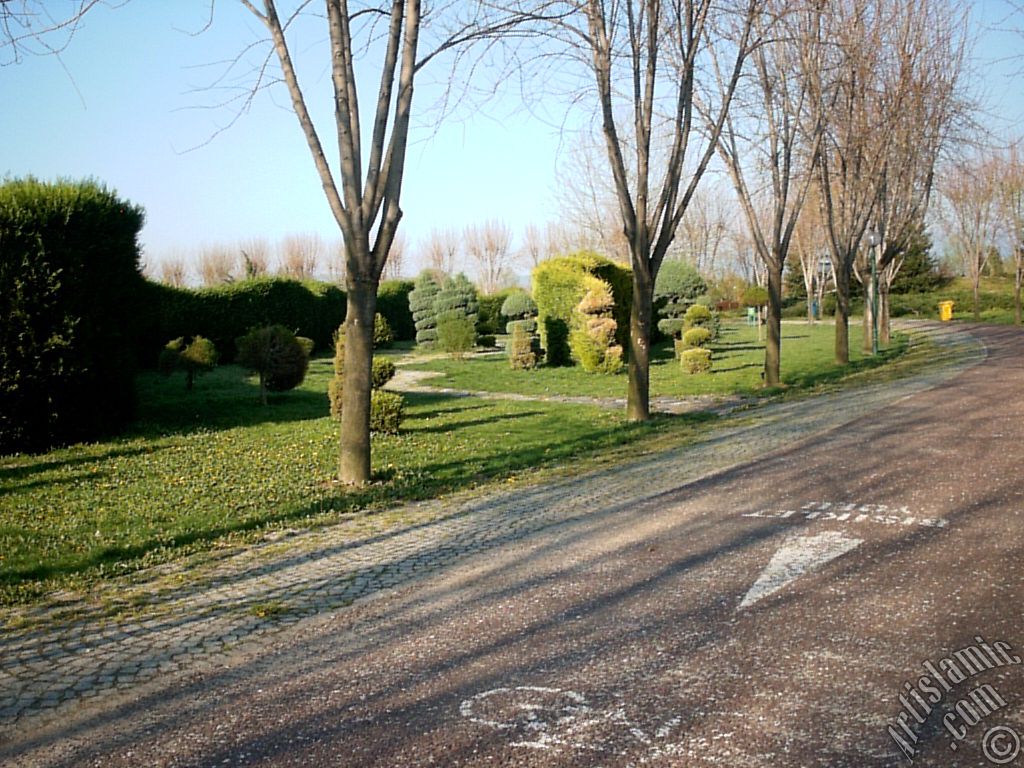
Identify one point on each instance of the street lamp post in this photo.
(874, 241)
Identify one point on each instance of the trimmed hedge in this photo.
(696, 360)
(489, 317)
(71, 296)
(224, 313)
(559, 284)
(393, 303)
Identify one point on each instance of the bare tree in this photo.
(533, 245)
(926, 108)
(644, 61)
(587, 201)
(489, 245)
(810, 243)
(396, 259)
(364, 191)
(38, 28)
(441, 250)
(770, 151)
(1011, 199)
(173, 272)
(255, 257)
(559, 239)
(704, 230)
(970, 215)
(334, 260)
(300, 255)
(849, 101)
(218, 264)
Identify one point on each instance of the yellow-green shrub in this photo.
(559, 284)
(696, 360)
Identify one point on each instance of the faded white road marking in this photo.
(845, 512)
(795, 558)
(538, 717)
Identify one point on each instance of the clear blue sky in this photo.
(126, 115)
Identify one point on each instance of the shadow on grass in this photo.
(391, 486)
(224, 399)
(34, 464)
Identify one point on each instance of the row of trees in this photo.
(841, 108)
(982, 215)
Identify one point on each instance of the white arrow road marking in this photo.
(795, 558)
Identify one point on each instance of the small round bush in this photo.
(382, 335)
(528, 325)
(487, 341)
(382, 371)
(519, 305)
(276, 355)
(197, 356)
(386, 411)
(695, 360)
(671, 326)
(696, 337)
(698, 314)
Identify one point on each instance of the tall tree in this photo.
(490, 245)
(441, 250)
(926, 108)
(645, 62)
(970, 216)
(364, 191)
(1011, 200)
(770, 151)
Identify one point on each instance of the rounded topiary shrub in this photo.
(696, 337)
(519, 305)
(697, 360)
(386, 411)
(194, 357)
(381, 372)
(671, 326)
(276, 355)
(529, 325)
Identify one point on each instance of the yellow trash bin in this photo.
(945, 311)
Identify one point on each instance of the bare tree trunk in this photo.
(1018, 280)
(884, 335)
(869, 310)
(842, 338)
(977, 298)
(354, 458)
(638, 394)
(773, 349)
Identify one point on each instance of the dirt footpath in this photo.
(853, 599)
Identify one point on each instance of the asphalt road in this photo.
(853, 600)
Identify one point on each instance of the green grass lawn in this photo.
(210, 468)
(807, 360)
